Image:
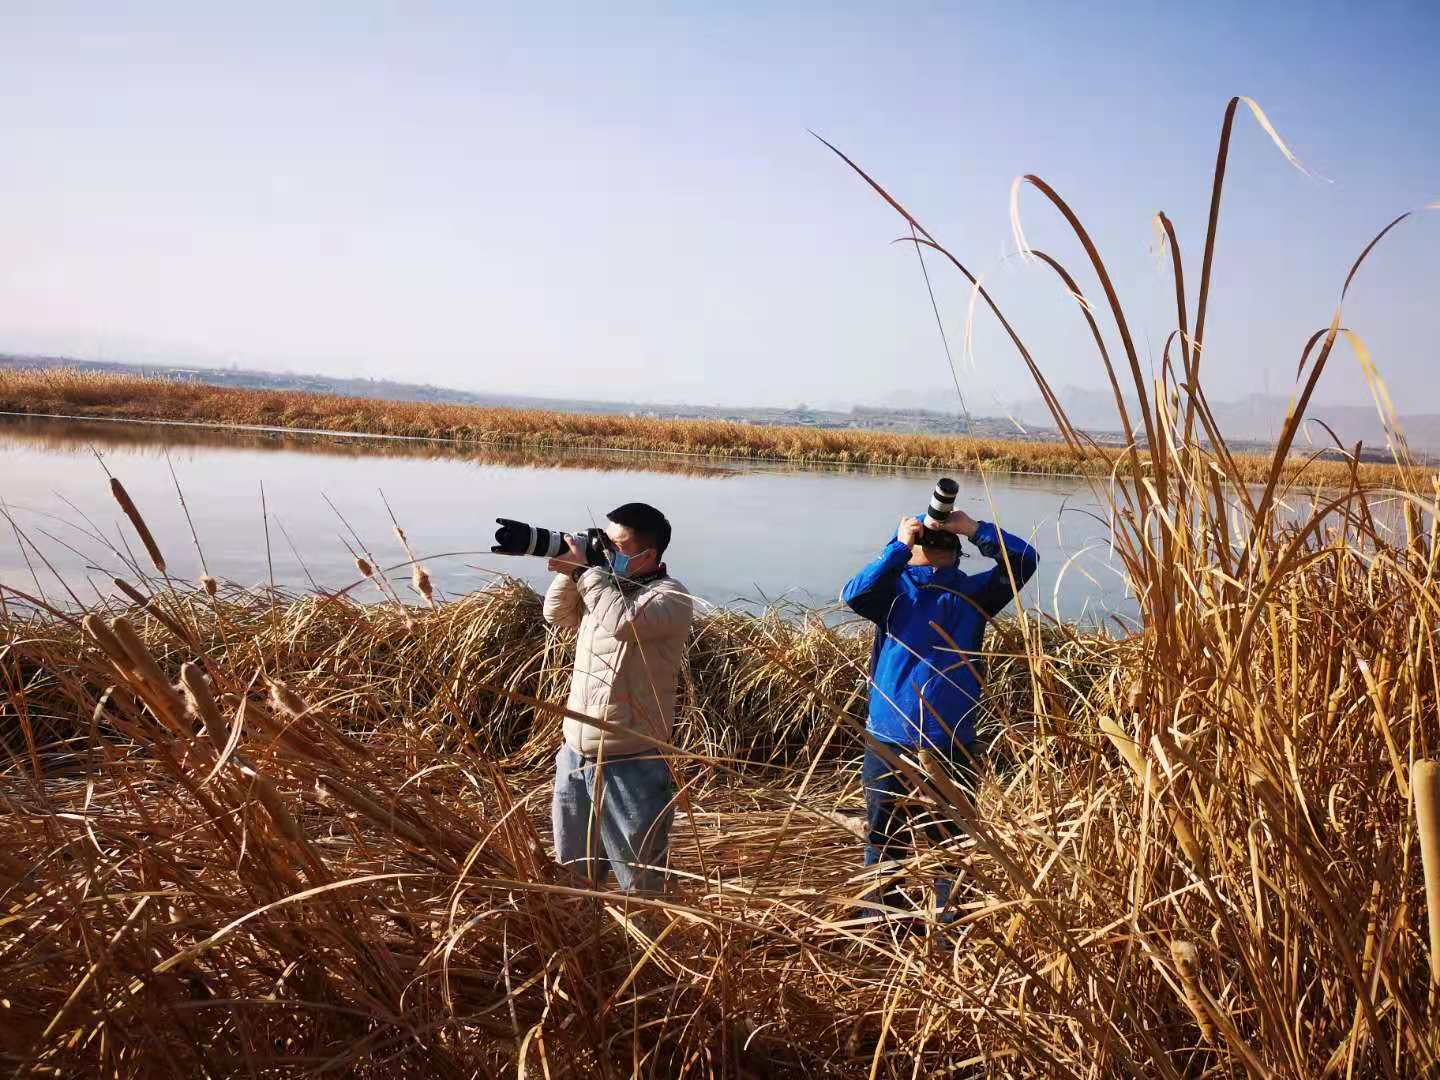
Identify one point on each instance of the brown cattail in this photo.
(274, 805)
(286, 700)
(1187, 964)
(202, 703)
(133, 513)
(149, 605)
(289, 737)
(141, 661)
(1425, 779)
(421, 579)
(377, 813)
(129, 590)
(107, 641)
(364, 567)
(148, 672)
(208, 584)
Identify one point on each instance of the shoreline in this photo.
(74, 395)
(520, 443)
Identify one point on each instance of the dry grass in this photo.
(212, 792)
(263, 836)
(391, 756)
(68, 392)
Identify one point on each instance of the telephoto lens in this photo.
(942, 502)
(518, 538)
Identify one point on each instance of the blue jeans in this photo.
(614, 817)
(894, 815)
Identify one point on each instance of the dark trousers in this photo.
(895, 812)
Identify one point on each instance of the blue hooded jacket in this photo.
(910, 660)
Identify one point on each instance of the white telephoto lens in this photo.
(942, 502)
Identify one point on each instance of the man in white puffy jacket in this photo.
(614, 791)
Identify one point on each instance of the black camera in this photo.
(517, 538)
(942, 502)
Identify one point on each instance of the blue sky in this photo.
(628, 204)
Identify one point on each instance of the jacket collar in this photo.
(936, 575)
(645, 579)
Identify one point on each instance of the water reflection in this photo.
(745, 532)
(62, 436)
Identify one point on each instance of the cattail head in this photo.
(286, 700)
(127, 504)
(135, 649)
(200, 702)
(421, 579)
(107, 640)
(364, 567)
(274, 805)
(208, 584)
(399, 532)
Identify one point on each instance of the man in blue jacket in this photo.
(923, 694)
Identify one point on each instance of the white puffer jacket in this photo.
(627, 655)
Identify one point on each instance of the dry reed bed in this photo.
(772, 690)
(176, 768)
(71, 392)
(308, 757)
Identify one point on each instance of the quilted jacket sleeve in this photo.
(562, 603)
(660, 609)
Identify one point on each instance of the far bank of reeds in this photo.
(71, 392)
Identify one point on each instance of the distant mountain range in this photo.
(1249, 423)
(1253, 419)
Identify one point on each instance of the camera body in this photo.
(518, 538)
(942, 502)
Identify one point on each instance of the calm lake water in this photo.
(744, 533)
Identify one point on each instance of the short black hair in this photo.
(645, 522)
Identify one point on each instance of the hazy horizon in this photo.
(630, 207)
